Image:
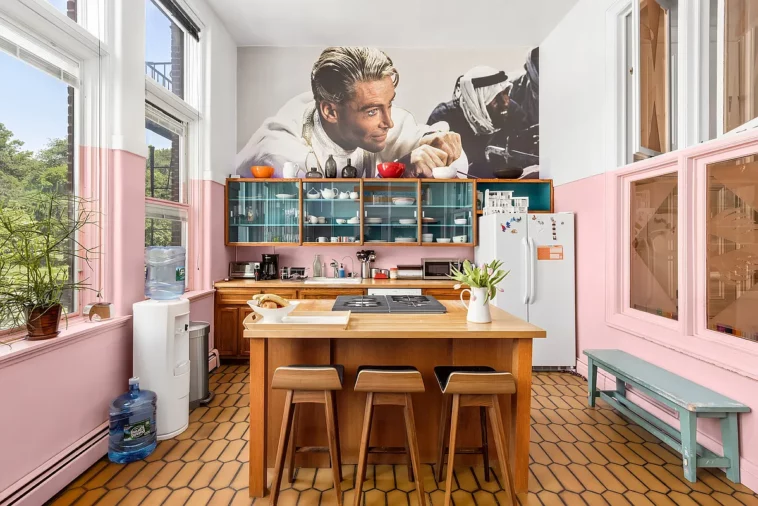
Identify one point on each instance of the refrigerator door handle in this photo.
(532, 270)
(527, 269)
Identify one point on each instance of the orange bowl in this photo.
(262, 171)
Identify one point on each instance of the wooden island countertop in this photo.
(423, 341)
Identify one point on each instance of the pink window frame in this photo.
(689, 335)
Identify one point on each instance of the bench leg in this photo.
(621, 387)
(731, 443)
(591, 381)
(688, 428)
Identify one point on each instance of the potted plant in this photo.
(39, 247)
(482, 281)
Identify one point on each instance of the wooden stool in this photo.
(478, 387)
(389, 386)
(314, 384)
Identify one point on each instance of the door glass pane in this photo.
(447, 210)
(391, 211)
(732, 250)
(332, 210)
(658, 48)
(264, 212)
(740, 62)
(653, 261)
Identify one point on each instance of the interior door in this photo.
(552, 294)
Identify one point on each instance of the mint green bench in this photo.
(689, 399)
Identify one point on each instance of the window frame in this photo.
(51, 35)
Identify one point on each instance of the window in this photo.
(653, 261)
(732, 248)
(656, 40)
(67, 7)
(167, 207)
(50, 107)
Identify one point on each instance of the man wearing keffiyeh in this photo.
(481, 107)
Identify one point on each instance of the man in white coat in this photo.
(349, 114)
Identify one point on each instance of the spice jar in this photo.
(393, 272)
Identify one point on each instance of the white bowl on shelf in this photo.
(461, 221)
(443, 240)
(373, 221)
(340, 221)
(353, 221)
(403, 201)
(444, 172)
(284, 196)
(405, 239)
(427, 237)
(272, 315)
(407, 221)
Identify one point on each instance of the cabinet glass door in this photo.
(332, 211)
(263, 211)
(732, 248)
(447, 210)
(390, 211)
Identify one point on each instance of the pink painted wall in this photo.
(386, 256)
(587, 198)
(216, 256)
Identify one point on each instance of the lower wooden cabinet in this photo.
(226, 330)
(329, 293)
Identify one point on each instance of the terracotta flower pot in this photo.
(43, 322)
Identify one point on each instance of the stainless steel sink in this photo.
(333, 281)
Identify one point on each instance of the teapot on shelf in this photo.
(330, 193)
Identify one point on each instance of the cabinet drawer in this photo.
(445, 293)
(287, 293)
(235, 295)
(329, 293)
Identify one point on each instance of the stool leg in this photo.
(360, 473)
(485, 448)
(442, 435)
(408, 459)
(451, 449)
(337, 432)
(292, 446)
(501, 444)
(410, 434)
(284, 436)
(331, 433)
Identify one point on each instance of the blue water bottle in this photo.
(132, 433)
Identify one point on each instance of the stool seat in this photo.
(474, 380)
(388, 379)
(309, 377)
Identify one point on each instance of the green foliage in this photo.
(487, 276)
(39, 228)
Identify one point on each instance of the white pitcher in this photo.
(478, 309)
(290, 170)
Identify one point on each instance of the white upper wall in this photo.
(573, 136)
(390, 23)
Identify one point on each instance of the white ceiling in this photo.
(390, 23)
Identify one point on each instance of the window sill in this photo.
(194, 295)
(78, 329)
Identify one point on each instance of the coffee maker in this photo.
(269, 266)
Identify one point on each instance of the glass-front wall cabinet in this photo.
(654, 258)
(263, 211)
(390, 211)
(732, 248)
(447, 212)
(332, 211)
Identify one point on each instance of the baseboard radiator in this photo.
(51, 477)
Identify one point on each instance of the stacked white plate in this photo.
(373, 221)
(403, 201)
(405, 239)
(407, 221)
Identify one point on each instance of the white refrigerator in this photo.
(538, 250)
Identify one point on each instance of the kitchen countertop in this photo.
(415, 326)
(365, 283)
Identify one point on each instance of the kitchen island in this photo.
(423, 341)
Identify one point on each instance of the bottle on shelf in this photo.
(330, 168)
(317, 272)
(348, 171)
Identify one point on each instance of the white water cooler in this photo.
(161, 360)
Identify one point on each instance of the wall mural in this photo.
(487, 127)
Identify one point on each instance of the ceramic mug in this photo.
(322, 239)
(312, 219)
(335, 239)
(290, 170)
(321, 219)
(354, 195)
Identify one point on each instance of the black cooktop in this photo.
(399, 304)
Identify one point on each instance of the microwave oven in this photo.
(440, 268)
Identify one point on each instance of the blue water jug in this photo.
(132, 433)
(164, 272)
